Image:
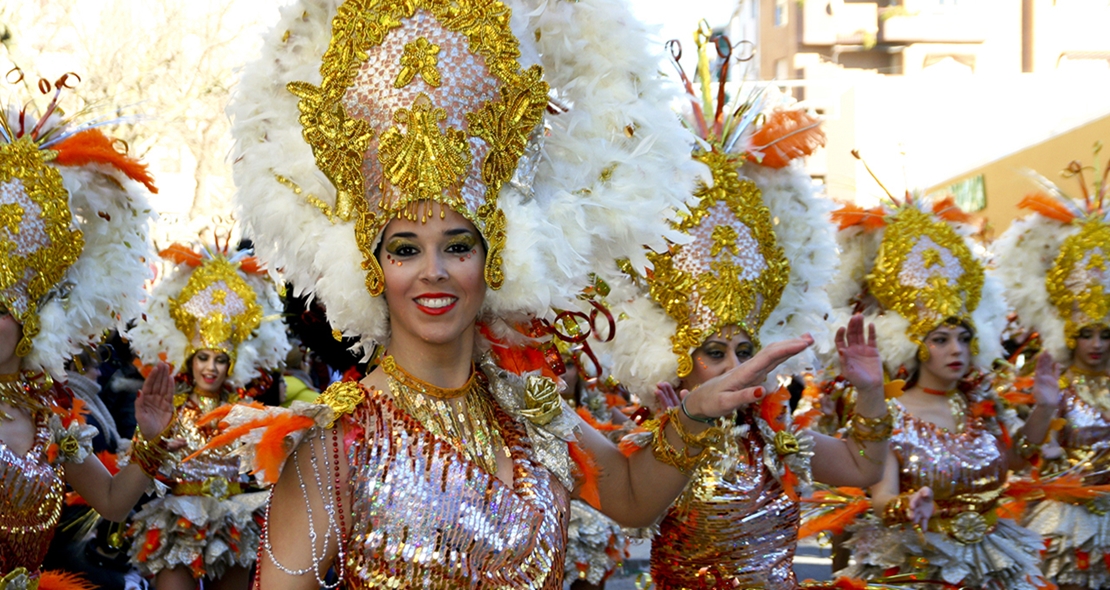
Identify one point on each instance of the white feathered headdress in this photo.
(754, 251)
(1056, 262)
(910, 267)
(543, 122)
(213, 301)
(74, 251)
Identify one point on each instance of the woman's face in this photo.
(1091, 347)
(10, 333)
(210, 370)
(949, 355)
(719, 354)
(434, 276)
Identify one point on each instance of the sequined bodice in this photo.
(953, 464)
(1086, 434)
(216, 462)
(425, 517)
(31, 495)
(741, 527)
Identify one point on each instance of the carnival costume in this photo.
(517, 116)
(73, 236)
(909, 270)
(208, 521)
(755, 252)
(1053, 263)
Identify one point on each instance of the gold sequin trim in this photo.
(342, 398)
(225, 325)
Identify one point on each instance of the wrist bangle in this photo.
(864, 430)
(686, 413)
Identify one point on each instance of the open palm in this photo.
(154, 404)
(860, 362)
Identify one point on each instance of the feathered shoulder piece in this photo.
(1054, 261)
(73, 227)
(910, 266)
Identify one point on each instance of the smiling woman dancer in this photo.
(939, 316)
(751, 272)
(1053, 263)
(435, 236)
(213, 316)
(72, 252)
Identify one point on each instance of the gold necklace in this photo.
(20, 394)
(464, 417)
(1092, 389)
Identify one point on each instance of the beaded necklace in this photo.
(464, 416)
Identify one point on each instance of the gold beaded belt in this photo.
(213, 487)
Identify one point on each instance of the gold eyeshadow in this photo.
(468, 240)
(395, 244)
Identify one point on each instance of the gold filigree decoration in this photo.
(419, 59)
(339, 142)
(425, 161)
(718, 297)
(342, 397)
(542, 403)
(943, 298)
(203, 312)
(1075, 283)
(27, 273)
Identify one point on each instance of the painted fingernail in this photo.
(758, 392)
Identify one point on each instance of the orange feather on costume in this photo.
(250, 265)
(109, 460)
(948, 210)
(835, 520)
(590, 471)
(181, 255)
(93, 147)
(55, 580)
(852, 215)
(1067, 488)
(787, 135)
(226, 437)
(270, 454)
(1047, 206)
(774, 407)
(214, 415)
(589, 419)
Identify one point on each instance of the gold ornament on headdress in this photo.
(733, 272)
(926, 272)
(38, 242)
(217, 309)
(420, 100)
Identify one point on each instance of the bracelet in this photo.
(864, 430)
(897, 511)
(149, 455)
(666, 453)
(686, 413)
(1025, 448)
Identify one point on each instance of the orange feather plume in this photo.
(56, 580)
(271, 453)
(1013, 509)
(110, 461)
(1066, 488)
(788, 135)
(852, 215)
(598, 426)
(226, 437)
(215, 415)
(93, 147)
(590, 472)
(1018, 398)
(948, 210)
(1047, 206)
(774, 407)
(835, 520)
(790, 484)
(251, 265)
(181, 254)
(627, 446)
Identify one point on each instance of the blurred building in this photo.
(952, 95)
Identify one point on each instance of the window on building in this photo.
(782, 12)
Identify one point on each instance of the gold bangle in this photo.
(665, 452)
(897, 510)
(150, 455)
(864, 430)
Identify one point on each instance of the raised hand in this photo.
(1046, 381)
(666, 395)
(154, 404)
(922, 507)
(739, 387)
(860, 362)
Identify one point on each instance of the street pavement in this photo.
(810, 562)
